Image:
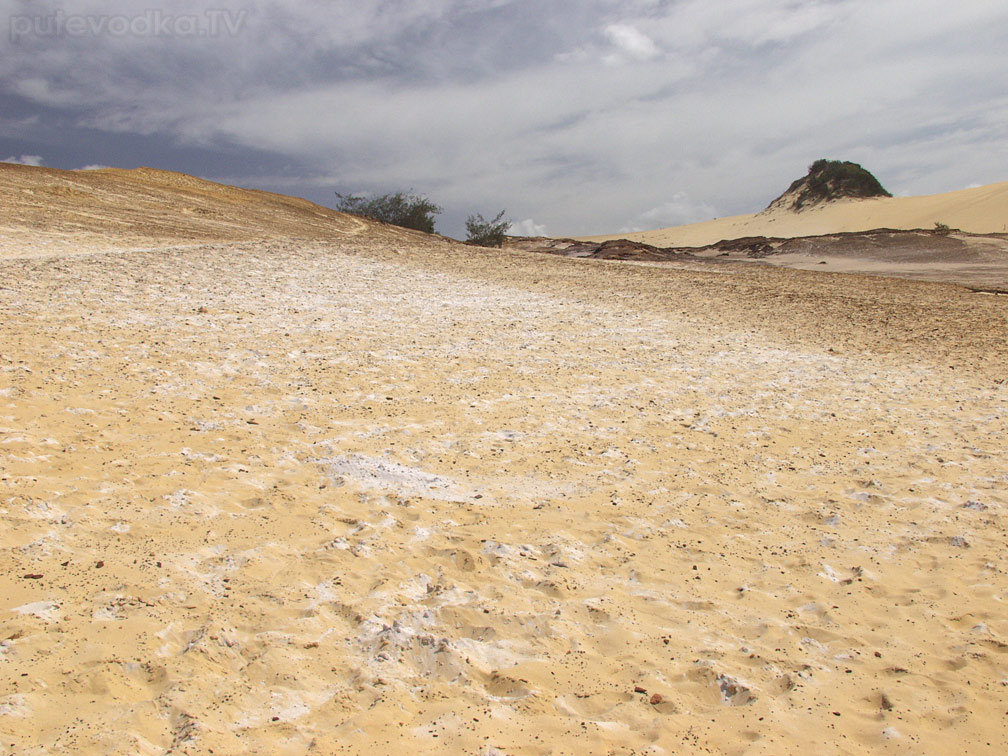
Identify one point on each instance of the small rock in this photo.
(34, 576)
(656, 699)
(639, 689)
(734, 693)
(99, 564)
(976, 506)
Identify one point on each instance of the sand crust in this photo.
(359, 491)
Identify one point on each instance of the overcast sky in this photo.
(577, 116)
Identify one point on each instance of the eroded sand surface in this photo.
(367, 497)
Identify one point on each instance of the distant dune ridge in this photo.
(839, 218)
(981, 210)
(144, 203)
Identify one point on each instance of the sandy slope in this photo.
(982, 210)
(375, 494)
(146, 208)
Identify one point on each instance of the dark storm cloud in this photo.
(577, 116)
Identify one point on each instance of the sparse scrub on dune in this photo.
(487, 233)
(850, 179)
(405, 209)
(942, 229)
(829, 180)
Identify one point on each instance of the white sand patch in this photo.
(47, 611)
(377, 474)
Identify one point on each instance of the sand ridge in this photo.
(372, 493)
(56, 212)
(979, 210)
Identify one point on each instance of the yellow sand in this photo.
(374, 493)
(981, 210)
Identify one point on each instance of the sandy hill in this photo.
(47, 209)
(828, 181)
(981, 210)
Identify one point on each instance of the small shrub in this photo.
(941, 229)
(404, 209)
(487, 233)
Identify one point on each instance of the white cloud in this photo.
(35, 160)
(740, 24)
(630, 43)
(94, 167)
(527, 227)
(677, 211)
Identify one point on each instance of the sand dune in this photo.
(362, 491)
(48, 211)
(982, 210)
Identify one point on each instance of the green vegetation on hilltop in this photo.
(829, 180)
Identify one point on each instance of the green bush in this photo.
(833, 179)
(404, 209)
(487, 233)
(941, 229)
